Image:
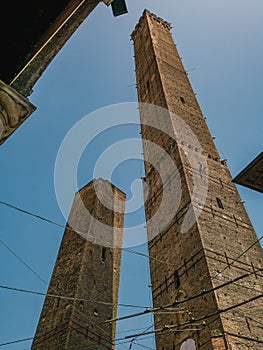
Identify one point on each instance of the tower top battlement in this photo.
(102, 182)
(148, 14)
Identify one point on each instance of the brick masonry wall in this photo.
(85, 269)
(186, 263)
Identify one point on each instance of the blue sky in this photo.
(221, 43)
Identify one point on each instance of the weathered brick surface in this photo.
(85, 269)
(218, 343)
(186, 263)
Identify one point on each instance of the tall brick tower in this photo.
(208, 270)
(87, 273)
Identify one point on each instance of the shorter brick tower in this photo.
(87, 273)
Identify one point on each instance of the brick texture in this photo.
(185, 263)
(85, 269)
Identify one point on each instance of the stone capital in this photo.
(14, 110)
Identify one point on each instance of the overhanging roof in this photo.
(40, 27)
(30, 39)
(27, 23)
(252, 175)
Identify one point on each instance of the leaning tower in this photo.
(205, 258)
(84, 287)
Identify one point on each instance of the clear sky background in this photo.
(221, 43)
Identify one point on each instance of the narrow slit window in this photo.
(219, 203)
(176, 279)
(58, 302)
(182, 99)
(103, 254)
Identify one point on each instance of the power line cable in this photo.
(16, 341)
(166, 328)
(245, 269)
(151, 336)
(176, 303)
(70, 298)
(244, 286)
(150, 295)
(144, 346)
(133, 330)
(31, 214)
(128, 341)
(124, 249)
(131, 251)
(202, 318)
(52, 222)
(236, 259)
(219, 273)
(135, 337)
(247, 317)
(220, 311)
(37, 275)
(23, 262)
(245, 337)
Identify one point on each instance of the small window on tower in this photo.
(58, 302)
(176, 279)
(219, 203)
(103, 254)
(182, 99)
(148, 84)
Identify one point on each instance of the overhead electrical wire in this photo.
(245, 337)
(148, 256)
(219, 273)
(23, 262)
(166, 328)
(244, 286)
(136, 329)
(176, 303)
(202, 318)
(146, 311)
(37, 275)
(237, 258)
(52, 222)
(124, 249)
(16, 341)
(135, 337)
(31, 214)
(143, 346)
(62, 297)
(195, 320)
(248, 317)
